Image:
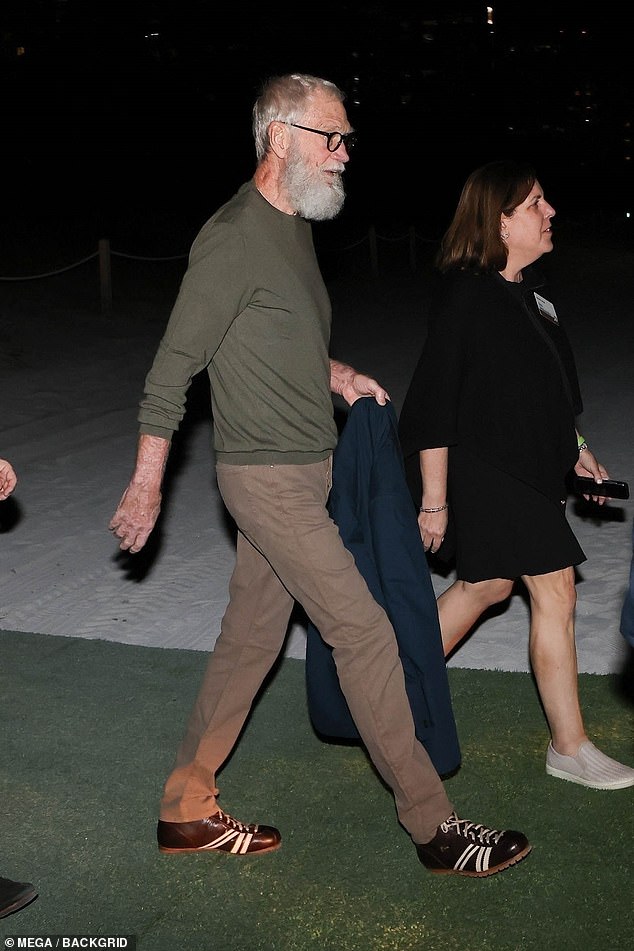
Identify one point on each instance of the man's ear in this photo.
(278, 138)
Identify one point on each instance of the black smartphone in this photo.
(610, 488)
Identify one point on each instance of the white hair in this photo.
(285, 98)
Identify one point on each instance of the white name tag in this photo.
(546, 308)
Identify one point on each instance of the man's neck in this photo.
(269, 186)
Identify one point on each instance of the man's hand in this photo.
(135, 517)
(140, 504)
(352, 385)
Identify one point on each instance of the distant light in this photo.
(20, 51)
(490, 16)
(628, 214)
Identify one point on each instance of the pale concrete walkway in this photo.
(69, 387)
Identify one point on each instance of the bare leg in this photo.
(460, 606)
(554, 657)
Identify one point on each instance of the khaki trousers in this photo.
(289, 549)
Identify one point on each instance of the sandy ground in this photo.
(70, 381)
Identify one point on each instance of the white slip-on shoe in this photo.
(589, 767)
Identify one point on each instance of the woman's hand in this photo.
(589, 466)
(433, 522)
(433, 526)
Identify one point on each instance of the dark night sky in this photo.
(106, 124)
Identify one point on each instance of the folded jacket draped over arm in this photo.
(371, 505)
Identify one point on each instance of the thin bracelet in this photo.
(583, 445)
(438, 508)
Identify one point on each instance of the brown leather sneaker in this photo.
(217, 833)
(14, 895)
(461, 847)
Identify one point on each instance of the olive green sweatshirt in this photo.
(254, 311)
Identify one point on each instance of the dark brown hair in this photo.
(473, 240)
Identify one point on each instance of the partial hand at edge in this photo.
(8, 479)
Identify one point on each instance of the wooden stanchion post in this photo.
(412, 247)
(105, 277)
(374, 257)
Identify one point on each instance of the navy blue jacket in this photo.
(371, 505)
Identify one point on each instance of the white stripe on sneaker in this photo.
(220, 841)
(481, 853)
(241, 846)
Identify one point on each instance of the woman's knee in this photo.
(554, 590)
(489, 592)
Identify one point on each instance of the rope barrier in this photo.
(138, 257)
(397, 237)
(389, 238)
(179, 257)
(90, 257)
(349, 247)
(34, 277)
(105, 254)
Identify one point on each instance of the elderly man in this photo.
(254, 312)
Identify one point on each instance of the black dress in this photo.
(497, 384)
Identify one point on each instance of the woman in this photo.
(489, 424)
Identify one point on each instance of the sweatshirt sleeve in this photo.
(214, 291)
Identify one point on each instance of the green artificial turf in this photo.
(89, 731)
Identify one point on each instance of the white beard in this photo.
(313, 196)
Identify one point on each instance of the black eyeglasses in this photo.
(333, 139)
